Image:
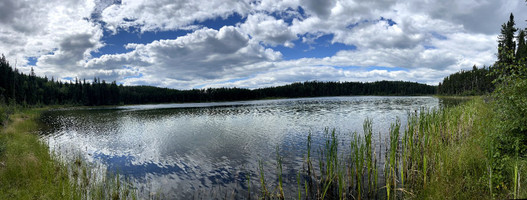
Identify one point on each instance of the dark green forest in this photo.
(477, 81)
(512, 48)
(19, 88)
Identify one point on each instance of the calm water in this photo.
(206, 149)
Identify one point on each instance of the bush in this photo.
(511, 98)
(3, 146)
(4, 114)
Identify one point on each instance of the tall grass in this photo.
(438, 154)
(29, 171)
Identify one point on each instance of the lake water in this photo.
(209, 149)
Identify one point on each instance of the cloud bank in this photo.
(388, 40)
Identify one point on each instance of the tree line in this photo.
(512, 48)
(477, 81)
(19, 88)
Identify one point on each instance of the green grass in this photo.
(446, 154)
(439, 154)
(29, 171)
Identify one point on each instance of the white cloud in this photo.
(36, 29)
(291, 74)
(379, 35)
(168, 14)
(275, 5)
(201, 56)
(484, 16)
(420, 64)
(269, 30)
(428, 40)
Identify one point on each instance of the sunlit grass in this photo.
(29, 171)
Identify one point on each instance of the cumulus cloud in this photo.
(269, 30)
(321, 8)
(412, 40)
(55, 31)
(484, 16)
(203, 55)
(379, 35)
(72, 49)
(162, 15)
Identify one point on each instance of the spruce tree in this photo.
(506, 41)
(521, 52)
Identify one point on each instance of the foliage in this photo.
(511, 101)
(506, 41)
(5, 111)
(508, 141)
(316, 88)
(477, 81)
(522, 45)
(511, 91)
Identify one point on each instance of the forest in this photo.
(477, 81)
(512, 48)
(19, 88)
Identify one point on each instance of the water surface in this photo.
(206, 149)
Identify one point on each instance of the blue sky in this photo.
(251, 44)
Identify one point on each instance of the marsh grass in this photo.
(29, 171)
(442, 153)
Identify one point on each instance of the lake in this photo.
(210, 149)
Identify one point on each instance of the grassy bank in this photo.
(29, 171)
(439, 154)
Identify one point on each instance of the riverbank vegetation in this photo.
(449, 153)
(29, 171)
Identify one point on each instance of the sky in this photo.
(252, 43)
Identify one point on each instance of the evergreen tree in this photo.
(521, 52)
(477, 81)
(506, 41)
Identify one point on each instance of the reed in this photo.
(442, 153)
(280, 188)
(370, 155)
(264, 191)
(392, 161)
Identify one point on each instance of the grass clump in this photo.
(445, 153)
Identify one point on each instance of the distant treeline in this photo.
(19, 88)
(512, 50)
